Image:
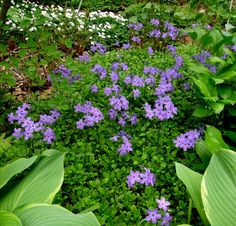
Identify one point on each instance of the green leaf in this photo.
(202, 112)
(231, 135)
(203, 151)
(9, 219)
(217, 107)
(53, 215)
(219, 188)
(13, 168)
(40, 185)
(214, 140)
(192, 181)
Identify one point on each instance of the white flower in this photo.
(33, 29)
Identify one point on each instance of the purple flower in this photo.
(92, 115)
(80, 124)
(122, 121)
(172, 49)
(99, 70)
(119, 103)
(11, 118)
(125, 147)
(126, 46)
(163, 204)
(17, 133)
(164, 108)
(136, 93)
(84, 58)
(147, 177)
(124, 66)
(136, 39)
(151, 70)
(114, 76)
(187, 86)
(134, 119)
(155, 22)
(208, 26)
(166, 220)
(187, 140)
(94, 88)
(234, 47)
(135, 26)
(178, 62)
(107, 91)
(153, 216)
(150, 81)
(150, 51)
(116, 88)
(155, 33)
(112, 114)
(63, 70)
(128, 79)
(49, 135)
(115, 138)
(163, 88)
(148, 110)
(132, 178)
(99, 48)
(137, 81)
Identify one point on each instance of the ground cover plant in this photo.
(124, 106)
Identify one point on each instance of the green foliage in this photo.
(217, 183)
(27, 201)
(217, 89)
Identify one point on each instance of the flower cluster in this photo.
(187, 140)
(126, 146)
(160, 213)
(135, 26)
(98, 47)
(92, 115)
(99, 70)
(170, 31)
(28, 126)
(84, 58)
(163, 109)
(65, 73)
(203, 57)
(146, 178)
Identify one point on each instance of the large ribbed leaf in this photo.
(192, 181)
(219, 189)
(9, 219)
(40, 185)
(53, 215)
(13, 168)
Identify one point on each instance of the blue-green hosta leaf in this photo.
(40, 185)
(9, 219)
(219, 189)
(13, 168)
(192, 181)
(53, 215)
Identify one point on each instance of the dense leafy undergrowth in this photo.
(118, 115)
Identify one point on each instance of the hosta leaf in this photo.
(53, 215)
(13, 168)
(9, 219)
(219, 189)
(214, 140)
(40, 185)
(192, 181)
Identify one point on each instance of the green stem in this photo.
(190, 206)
